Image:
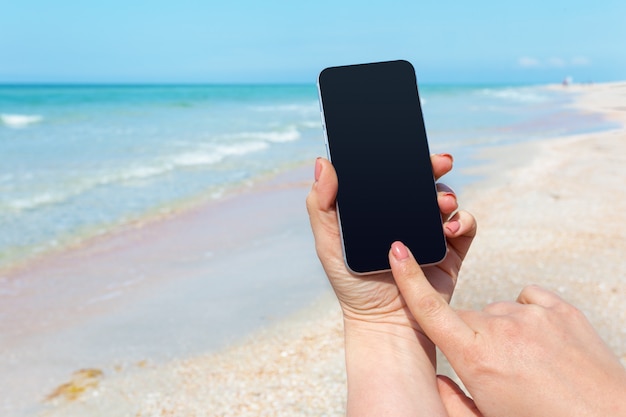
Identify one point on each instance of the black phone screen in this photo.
(377, 143)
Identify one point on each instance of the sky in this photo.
(271, 41)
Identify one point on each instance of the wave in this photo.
(86, 182)
(311, 124)
(18, 121)
(300, 108)
(199, 156)
(289, 134)
(522, 95)
(43, 199)
(217, 154)
(160, 166)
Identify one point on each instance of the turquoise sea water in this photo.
(76, 161)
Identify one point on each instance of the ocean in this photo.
(77, 161)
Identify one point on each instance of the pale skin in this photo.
(390, 363)
(538, 356)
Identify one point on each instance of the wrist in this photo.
(390, 340)
(390, 367)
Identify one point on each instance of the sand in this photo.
(181, 286)
(549, 213)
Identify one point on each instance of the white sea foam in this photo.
(242, 149)
(29, 203)
(89, 181)
(200, 157)
(286, 136)
(515, 94)
(138, 172)
(299, 108)
(216, 154)
(84, 184)
(189, 159)
(236, 145)
(311, 124)
(18, 121)
(278, 136)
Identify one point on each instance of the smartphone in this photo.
(376, 140)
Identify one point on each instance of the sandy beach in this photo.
(146, 336)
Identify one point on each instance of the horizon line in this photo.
(238, 83)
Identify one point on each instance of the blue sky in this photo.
(475, 41)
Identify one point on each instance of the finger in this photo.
(446, 198)
(460, 230)
(455, 401)
(431, 311)
(442, 164)
(443, 188)
(534, 294)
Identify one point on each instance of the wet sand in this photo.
(185, 285)
(548, 212)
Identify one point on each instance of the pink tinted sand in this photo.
(174, 287)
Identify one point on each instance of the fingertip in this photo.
(403, 263)
(447, 156)
(325, 185)
(447, 202)
(404, 268)
(399, 251)
(466, 224)
(452, 227)
(442, 164)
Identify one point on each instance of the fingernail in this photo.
(400, 252)
(447, 155)
(450, 195)
(453, 226)
(318, 168)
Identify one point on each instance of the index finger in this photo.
(431, 311)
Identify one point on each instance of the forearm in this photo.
(391, 372)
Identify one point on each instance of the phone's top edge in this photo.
(335, 67)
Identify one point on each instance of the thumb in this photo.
(431, 311)
(455, 401)
(320, 204)
(324, 190)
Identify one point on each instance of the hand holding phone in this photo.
(376, 140)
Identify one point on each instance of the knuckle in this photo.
(309, 202)
(431, 305)
(569, 311)
(497, 308)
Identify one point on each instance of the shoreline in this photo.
(95, 235)
(291, 363)
(24, 257)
